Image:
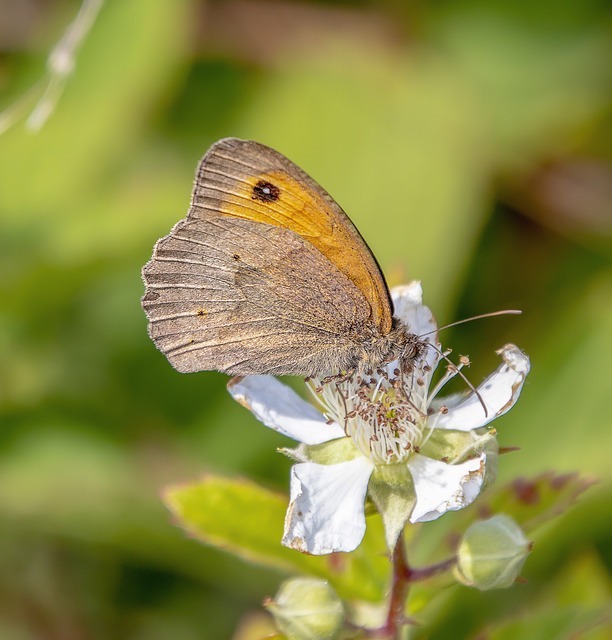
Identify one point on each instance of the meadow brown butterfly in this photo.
(267, 275)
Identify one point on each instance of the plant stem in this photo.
(403, 577)
(400, 585)
(399, 590)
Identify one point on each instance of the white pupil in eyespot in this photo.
(266, 190)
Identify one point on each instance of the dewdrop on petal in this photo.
(492, 553)
(307, 609)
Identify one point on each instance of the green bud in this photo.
(307, 609)
(491, 553)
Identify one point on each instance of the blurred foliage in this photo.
(471, 144)
(245, 519)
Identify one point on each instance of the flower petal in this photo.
(442, 487)
(499, 392)
(408, 307)
(326, 512)
(280, 408)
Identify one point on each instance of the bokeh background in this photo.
(469, 141)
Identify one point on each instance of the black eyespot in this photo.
(265, 191)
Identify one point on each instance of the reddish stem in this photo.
(403, 577)
(399, 590)
(416, 575)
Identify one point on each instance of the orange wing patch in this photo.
(247, 180)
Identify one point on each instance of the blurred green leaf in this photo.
(519, 76)
(577, 605)
(241, 517)
(105, 108)
(564, 407)
(562, 624)
(533, 502)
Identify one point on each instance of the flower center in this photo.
(385, 419)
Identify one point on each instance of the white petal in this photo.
(326, 512)
(408, 305)
(442, 487)
(280, 408)
(499, 392)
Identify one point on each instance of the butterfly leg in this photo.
(340, 377)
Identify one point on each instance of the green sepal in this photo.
(391, 488)
(490, 447)
(457, 446)
(332, 452)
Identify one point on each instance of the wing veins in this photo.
(247, 322)
(189, 347)
(283, 213)
(237, 178)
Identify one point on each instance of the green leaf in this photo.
(525, 77)
(562, 419)
(247, 520)
(558, 623)
(533, 502)
(576, 605)
(112, 90)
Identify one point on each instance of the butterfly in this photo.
(268, 275)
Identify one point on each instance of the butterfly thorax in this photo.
(399, 344)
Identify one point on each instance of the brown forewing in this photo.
(226, 182)
(246, 297)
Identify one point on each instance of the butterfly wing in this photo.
(246, 179)
(265, 309)
(245, 284)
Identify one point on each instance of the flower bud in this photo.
(307, 609)
(491, 553)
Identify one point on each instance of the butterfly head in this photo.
(400, 345)
(406, 347)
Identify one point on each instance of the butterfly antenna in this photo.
(462, 376)
(505, 312)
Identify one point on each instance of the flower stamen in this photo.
(385, 423)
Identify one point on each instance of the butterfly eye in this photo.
(265, 191)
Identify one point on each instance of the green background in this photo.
(469, 142)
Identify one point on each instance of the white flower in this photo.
(388, 438)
